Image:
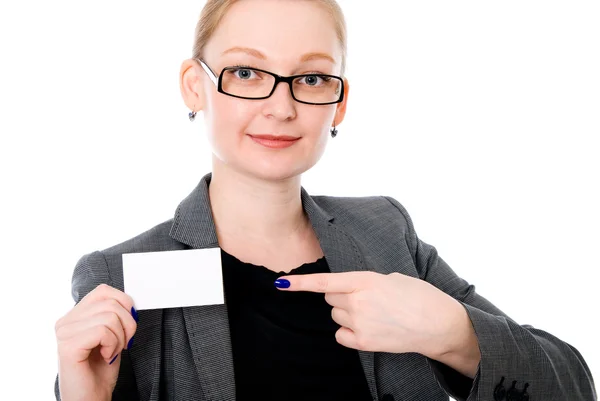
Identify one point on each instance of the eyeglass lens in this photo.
(250, 83)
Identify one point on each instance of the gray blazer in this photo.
(185, 353)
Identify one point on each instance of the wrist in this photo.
(461, 348)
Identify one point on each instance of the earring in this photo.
(192, 114)
(334, 131)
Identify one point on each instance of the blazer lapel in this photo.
(145, 355)
(342, 255)
(208, 326)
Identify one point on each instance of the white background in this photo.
(480, 117)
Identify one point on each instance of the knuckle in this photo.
(129, 325)
(58, 324)
(352, 320)
(362, 342)
(112, 304)
(59, 333)
(357, 303)
(106, 332)
(114, 320)
(322, 284)
(132, 325)
(396, 276)
(371, 277)
(129, 300)
(64, 349)
(102, 287)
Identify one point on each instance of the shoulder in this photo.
(105, 266)
(366, 211)
(155, 239)
(379, 226)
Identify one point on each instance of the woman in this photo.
(326, 298)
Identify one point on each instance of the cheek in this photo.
(317, 124)
(227, 119)
(231, 114)
(314, 124)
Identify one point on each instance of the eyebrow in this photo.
(257, 54)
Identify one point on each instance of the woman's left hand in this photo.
(388, 313)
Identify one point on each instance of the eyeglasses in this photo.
(253, 83)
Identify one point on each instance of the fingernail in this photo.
(282, 283)
(134, 314)
(130, 343)
(114, 359)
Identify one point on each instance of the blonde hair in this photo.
(214, 11)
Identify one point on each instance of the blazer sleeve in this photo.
(513, 357)
(90, 271)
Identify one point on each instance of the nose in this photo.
(280, 104)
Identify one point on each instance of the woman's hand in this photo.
(90, 338)
(388, 313)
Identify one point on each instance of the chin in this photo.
(269, 172)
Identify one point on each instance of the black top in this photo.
(283, 342)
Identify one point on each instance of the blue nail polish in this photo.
(130, 343)
(114, 359)
(134, 314)
(282, 283)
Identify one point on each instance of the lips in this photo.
(275, 137)
(275, 141)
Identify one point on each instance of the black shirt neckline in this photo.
(306, 268)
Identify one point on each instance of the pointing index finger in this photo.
(322, 282)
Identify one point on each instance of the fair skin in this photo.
(396, 313)
(89, 338)
(256, 206)
(255, 191)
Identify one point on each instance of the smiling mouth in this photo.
(275, 137)
(279, 142)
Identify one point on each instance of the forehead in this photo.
(283, 30)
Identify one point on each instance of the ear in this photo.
(191, 84)
(341, 107)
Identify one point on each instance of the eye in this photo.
(314, 80)
(243, 72)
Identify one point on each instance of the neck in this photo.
(254, 210)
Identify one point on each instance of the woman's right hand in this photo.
(89, 337)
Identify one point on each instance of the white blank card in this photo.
(173, 279)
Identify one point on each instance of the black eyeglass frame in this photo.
(218, 81)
